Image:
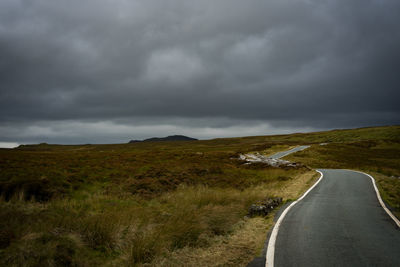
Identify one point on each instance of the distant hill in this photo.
(168, 138)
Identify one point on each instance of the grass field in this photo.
(169, 203)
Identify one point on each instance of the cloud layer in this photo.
(207, 68)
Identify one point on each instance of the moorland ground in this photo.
(167, 203)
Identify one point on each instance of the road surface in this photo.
(338, 223)
(285, 153)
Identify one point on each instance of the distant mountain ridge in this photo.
(168, 138)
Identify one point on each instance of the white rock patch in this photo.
(257, 157)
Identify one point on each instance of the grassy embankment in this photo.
(160, 203)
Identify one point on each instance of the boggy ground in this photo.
(152, 204)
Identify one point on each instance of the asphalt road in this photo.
(339, 223)
(285, 153)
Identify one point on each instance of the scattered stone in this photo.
(263, 208)
(257, 157)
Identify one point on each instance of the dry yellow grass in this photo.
(236, 249)
(193, 225)
(248, 235)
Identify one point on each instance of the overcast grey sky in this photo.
(106, 71)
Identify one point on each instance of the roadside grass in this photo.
(169, 203)
(132, 231)
(236, 249)
(389, 188)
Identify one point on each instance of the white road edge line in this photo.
(271, 243)
(380, 199)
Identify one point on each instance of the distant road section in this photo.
(339, 223)
(285, 153)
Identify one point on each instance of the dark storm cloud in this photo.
(206, 67)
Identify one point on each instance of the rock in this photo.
(263, 208)
(257, 157)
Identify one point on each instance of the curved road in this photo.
(339, 223)
(285, 153)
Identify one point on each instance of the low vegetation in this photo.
(168, 203)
